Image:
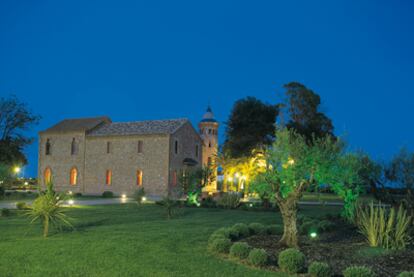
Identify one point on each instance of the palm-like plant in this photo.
(47, 208)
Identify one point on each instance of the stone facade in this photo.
(157, 149)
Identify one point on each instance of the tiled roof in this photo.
(77, 124)
(149, 127)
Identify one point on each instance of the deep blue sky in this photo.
(134, 60)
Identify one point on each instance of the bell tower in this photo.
(208, 127)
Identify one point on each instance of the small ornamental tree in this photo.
(294, 164)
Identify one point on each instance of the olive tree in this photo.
(294, 164)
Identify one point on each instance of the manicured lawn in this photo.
(126, 240)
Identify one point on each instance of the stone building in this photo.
(93, 155)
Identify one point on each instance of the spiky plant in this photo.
(47, 208)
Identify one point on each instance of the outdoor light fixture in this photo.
(26, 183)
(291, 161)
(70, 192)
(17, 170)
(123, 196)
(144, 199)
(313, 235)
(71, 202)
(230, 179)
(237, 175)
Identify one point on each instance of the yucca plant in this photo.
(383, 228)
(170, 205)
(47, 208)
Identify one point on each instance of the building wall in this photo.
(60, 160)
(187, 138)
(209, 135)
(124, 161)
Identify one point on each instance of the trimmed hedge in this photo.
(258, 257)
(274, 229)
(257, 229)
(107, 194)
(291, 260)
(240, 250)
(242, 229)
(358, 271)
(317, 269)
(219, 245)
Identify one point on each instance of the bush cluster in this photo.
(258, 257)
(274, 229)
(241, 229)
(21, 205)
(107, 194)
(240, 250)
(358, 271)
(317, 269)
(291, 261)
(5, 212)
(307, 225)
(229, 200)
(257, 229)
(219, 245)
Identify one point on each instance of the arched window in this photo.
(73, 180)
(196, 151)
(139, 177)
(174, 178)
(108, 177)
(176, 147)
(47, 147)
(73, 148)
(47, 176)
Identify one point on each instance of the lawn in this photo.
(126, 240)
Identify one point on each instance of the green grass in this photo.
(127, 240)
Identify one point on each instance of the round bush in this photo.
(240, 250)
(5, 212)
(257, 228)
(21, 205)
(274, 229)
(257, 257)
(219, 246)
(291, 260)
(242, 229)
(317, 269)
(406, 274)
(107, 194)
(358, 271)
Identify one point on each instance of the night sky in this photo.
(137, 60)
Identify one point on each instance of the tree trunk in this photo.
(46, 227)
(288, 209)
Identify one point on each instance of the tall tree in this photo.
(294, 165)
(251, 124)
(15, 118)
(303, 112)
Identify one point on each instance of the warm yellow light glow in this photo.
(26, 183)
(71, 202)
(70, 192)
(17, 169)
(237, 175)
(230, 179)
(291, 161)
(144, 199)
(123, 196)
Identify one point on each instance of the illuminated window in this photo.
(108, 147)
(139, 177)
(140, 145)
(47, 176)
(176, 147)
(73, 148)
(108, 178)
(47, 147)
(174, 178)
(73, 176)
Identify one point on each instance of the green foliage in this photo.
(406, 274)
(358, 271)
(219, 245)
(291, 260)
(251, 124)
(309, 225)
(170, 205)
(240, 250)
(193, 180)
(21, 205)
(318, 269)
(77, 195)
(257, 229)
(4, 212)
(208, 202)
(107, 194)
(274, 229)
(242, 229)
(257, 257)
(229, 200)
(47, 209)
(387, 229)
(139, 195)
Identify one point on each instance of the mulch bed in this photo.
(341, 248)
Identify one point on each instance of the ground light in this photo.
(123, 198)
(71, 202)
(313, 235)
(144, 199)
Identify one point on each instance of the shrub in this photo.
(358, 271)
(208, 202)
(389, 230)
(78, 194)
(170, 205)
(219, 245)
(242, 229)
(317, 269)
(257, 228)
(107, 194)
(325, 225)
(139, 195)
(240, 250)
(274, 229)
(291, 261)
(406, 274)
(229, 200)
(257, 257)
(308, 226)
(21, 205)
(5, 212)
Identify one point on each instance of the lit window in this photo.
(47, 176)
(174, 178)
(73, 176)
(176, 147)
(47, 148)
(108, 179)
(139, 177)
(108, 147)
(140, 145)
(73, 149)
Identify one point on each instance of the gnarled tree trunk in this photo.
(288, 209)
